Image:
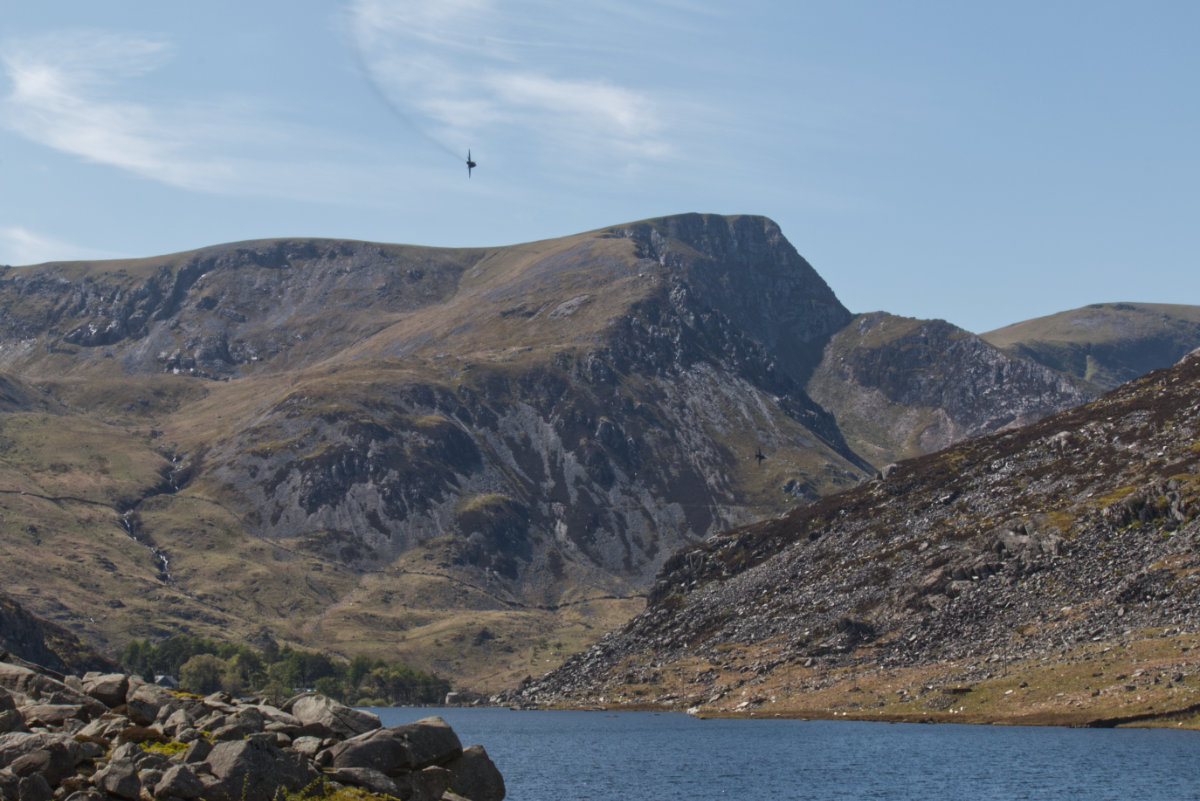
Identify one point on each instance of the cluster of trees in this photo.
(206, 666)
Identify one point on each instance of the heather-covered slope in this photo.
(1050, 573)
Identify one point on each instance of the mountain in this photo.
(1105, 344)
(472, 459)
(900, 387)
(1046, 574)
(475, 457)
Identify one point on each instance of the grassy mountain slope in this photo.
(1047, 574)
(1105, 344)
(474, 460)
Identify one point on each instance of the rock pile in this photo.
(112, 737)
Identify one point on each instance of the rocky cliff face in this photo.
(1014, 576)
(456, 453)
(900, 387)
(26, 637)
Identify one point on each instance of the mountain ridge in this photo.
(453, 453)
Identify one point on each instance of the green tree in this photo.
(136, 658)
(330, 686)
(202, 674)
(360, 666)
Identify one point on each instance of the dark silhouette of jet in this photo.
(759, 455)
(470, 164)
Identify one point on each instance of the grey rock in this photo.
(381, 749)
(476, 776)
(12, 720)
(220, 702)
(120, 778)
(37, 686)
(87, 795)
(53, 714)
(145, 702)
(15, 745)
(149, 777)
(399, 749)
(34, 788)
(230, 731)
(372, 780)
(337, 719)
(431, 741)
(108, 688)
(10, 785)
(179, 781)
(128, 752)
(197, 751)
(430, 783)
(104, 728)
(178, 721)
(56, 761)
(307, 746)
(250, 719)
(152, 760)
(255, 770)
(275, 715)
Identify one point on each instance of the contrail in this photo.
(382, 94)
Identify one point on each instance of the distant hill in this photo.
(474, 460)
(1105, 344)
(1047, 574)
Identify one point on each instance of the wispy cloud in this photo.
(19, 245)
(71, 91)
(457, 68)
(62, 97)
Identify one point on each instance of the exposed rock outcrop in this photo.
(900, 387)
(66, 739)
(28, 637)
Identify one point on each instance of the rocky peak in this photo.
(744, 268)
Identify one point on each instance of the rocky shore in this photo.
(113, 737)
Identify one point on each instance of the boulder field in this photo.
(113, 737)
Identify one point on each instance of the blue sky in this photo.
(979, 162)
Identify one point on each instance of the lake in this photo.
(618, 756)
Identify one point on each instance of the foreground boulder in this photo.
(255, 769)
(400, 749)
(332, 718)
(109, 737)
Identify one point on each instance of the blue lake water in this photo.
(600, 756)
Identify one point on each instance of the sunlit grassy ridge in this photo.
(1105, 343)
